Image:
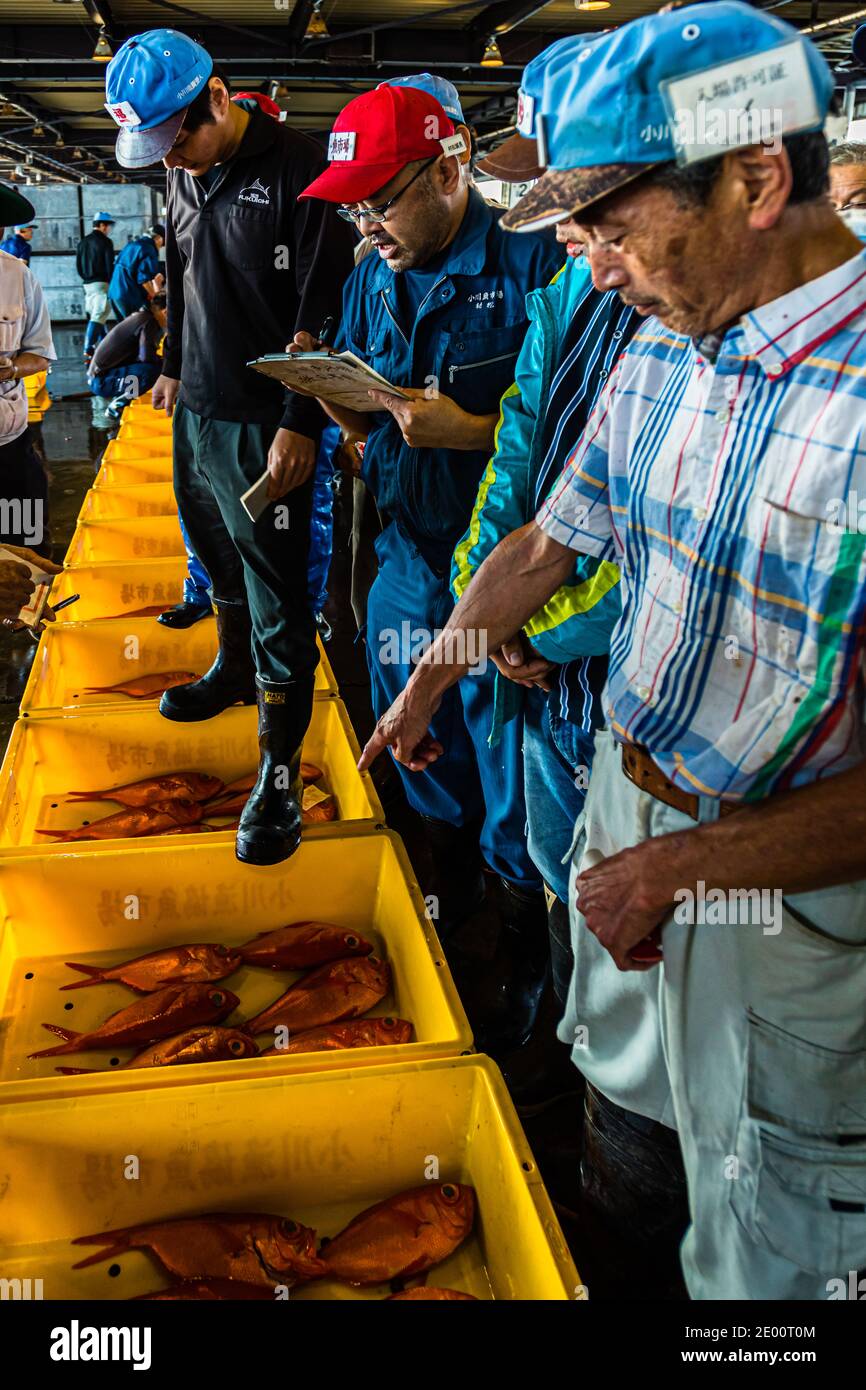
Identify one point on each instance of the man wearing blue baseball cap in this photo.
(18, 242)
(721, 469)
(134, 278)
(247, 266)
(94, 261)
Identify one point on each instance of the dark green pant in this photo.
(263, 564)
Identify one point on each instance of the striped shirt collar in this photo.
(780, 334)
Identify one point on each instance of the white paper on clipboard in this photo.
(31, 613)
(341, 377)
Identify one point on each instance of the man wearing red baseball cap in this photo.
(440, 312)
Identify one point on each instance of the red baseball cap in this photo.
(376, 136)
(265, 103)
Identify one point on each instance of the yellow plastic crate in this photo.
(125, 538)
(47, 758)
(147, 421)
(317, 1149)
(145, 499)
(101, 908)
(109, 590)
(72, 656)
(126, 473)
(118, 449)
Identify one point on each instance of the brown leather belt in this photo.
(639, 768)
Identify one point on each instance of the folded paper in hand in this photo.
(31, 613)
(340, 377)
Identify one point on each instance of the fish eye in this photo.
(389, 1023)
(449, 1192)
(217, 998)
(351, 941)
(236, 1046)
(289, 1228)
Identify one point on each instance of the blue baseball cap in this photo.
(439, 87)
(25, 226)
(103, 217)
(517, 158)
(686, 85)
(149, 83)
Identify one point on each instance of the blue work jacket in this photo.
(465, 339)
(137, 263)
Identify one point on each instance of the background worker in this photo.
(94, 261)
(438, 309)
(240, 251)
(848, 185)
(17, 243)
(134, 278)
(128, 360)
(26, 347)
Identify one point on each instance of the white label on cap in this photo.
(752, 101)
(453, 144)
(525, 114)
(122, 112)
(341, 144)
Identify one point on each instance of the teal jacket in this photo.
(578, 620)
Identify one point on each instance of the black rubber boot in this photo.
(185, 614)
(270, 828)
(458, 881)
(520, 969)
(230, 681)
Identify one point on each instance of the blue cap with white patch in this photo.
(150, 82)
(518, 158)
(439, 87)
(686, 85)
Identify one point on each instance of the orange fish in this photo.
(343, 989)
(252, 1247)
(207, 1290)
(424, 1293)
(208, 1044)
(229, 806)
(158, 1015)
(320, 812)
(303, 945)
(144, 687)
(173, 965)
(240, 784)
(310, 773)
(145, 820)
(174, 786)
(403, 1235)
(359, 1032)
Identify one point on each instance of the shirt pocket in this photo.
(803, 1131)
(11, 327)
(377, 352)
(477, 367)
(250, 238)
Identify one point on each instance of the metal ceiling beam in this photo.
(504, 15)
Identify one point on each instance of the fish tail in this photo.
(68, 1037)
(96, 976)
(87, 796)
(58, 834)
(117, 1243)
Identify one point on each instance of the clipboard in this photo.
(340, 377)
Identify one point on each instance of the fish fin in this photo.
(58, 834)
(89, 796)
(77, 1071)
(118, 1242)
(66, 1034)
(95, 974)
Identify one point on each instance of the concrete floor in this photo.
(609, 1266)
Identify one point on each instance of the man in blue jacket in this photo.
(18, 242)
(135, 269)
(439, 312)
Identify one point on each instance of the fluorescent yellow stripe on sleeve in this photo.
(461, 554)
(573, 599)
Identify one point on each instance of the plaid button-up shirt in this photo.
(728, 480)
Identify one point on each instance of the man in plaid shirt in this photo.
(723, 469)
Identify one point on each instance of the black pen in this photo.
(326, 331)
(65, 602)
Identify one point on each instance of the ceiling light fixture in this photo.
(592, 4)
(492, 57)
(38, 130)
(316, 26)
(102, 52)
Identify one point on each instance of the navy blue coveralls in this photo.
(465, 339)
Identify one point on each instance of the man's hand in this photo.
(404, 728)
(624, 901)
(519, 661)
(22, 552)
(7, 369)
(291, 460)
(435, 421)
(165, 390)
(16, 586)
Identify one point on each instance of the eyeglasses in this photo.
(357, 215)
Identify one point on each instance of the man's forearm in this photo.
(795, 842)
(478, 433)
(354, 421)
(28, 363)
(517, 577)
